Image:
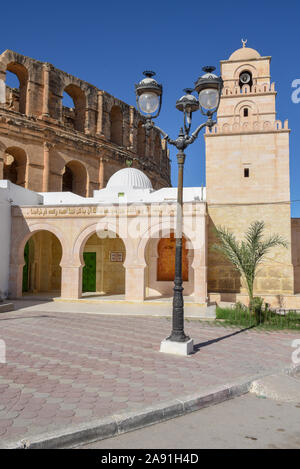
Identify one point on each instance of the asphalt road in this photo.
(245, 422)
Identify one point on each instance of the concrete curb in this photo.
(126, 422)
(122, 423)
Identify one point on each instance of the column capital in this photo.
(47, 66)
(48, 145)
(99, 125)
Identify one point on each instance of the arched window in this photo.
(16, 83)
(14, 169)
(141, 140)
(116, 125)
(74, 107)
(74, 178)
(246, 111)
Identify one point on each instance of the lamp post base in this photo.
(177, 348)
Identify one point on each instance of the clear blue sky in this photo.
(110, 43)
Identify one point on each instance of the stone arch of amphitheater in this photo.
(98, 131)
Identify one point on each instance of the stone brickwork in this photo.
(45, 146)
(247, 172)
(276, 274)
(296, 252)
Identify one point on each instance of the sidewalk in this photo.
(117, 306)
(71, 370)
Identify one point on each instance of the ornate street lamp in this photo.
(149, 99)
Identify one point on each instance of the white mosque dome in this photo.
(129, 178)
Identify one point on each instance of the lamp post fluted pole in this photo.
(149, 99)
(178, 333)
(181, 143)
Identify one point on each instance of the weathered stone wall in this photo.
(33, 119)
(275, 275)
(296, 252)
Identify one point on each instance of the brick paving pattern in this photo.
(65, 369)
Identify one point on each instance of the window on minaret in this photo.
(246, 172)
(246, 112)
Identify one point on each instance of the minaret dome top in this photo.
(245, 53)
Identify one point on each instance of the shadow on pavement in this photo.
(197, 347)
(26, 317)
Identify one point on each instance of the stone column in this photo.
(200, 270)
(99, 130)
(132, 130)
(200, 284)
(71, 281)
(101, 173)
(28, 99)
(135, 282)
(46, 72)
(46, 172)
(87, 129)
(15, 280)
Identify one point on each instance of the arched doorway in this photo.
(160, 260)
(14, 168)
(42, 271)
(166, 249)
(103, 271)
(74, 107)
(74, 178)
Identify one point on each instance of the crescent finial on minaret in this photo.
(244, 42)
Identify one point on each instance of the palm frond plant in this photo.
(248, 254)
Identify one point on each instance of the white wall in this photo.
(5, 227)
(20, 196)
(10, 194)
(63, 198)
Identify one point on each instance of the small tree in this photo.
(248, 254)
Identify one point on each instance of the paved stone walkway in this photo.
(65, 369)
